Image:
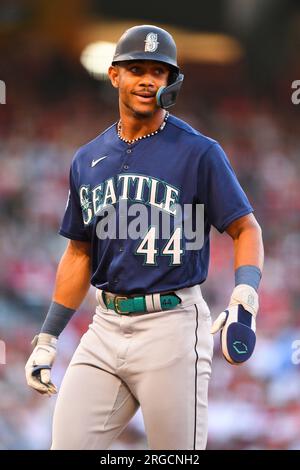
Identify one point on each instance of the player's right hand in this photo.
(237, 325)
(38, 366)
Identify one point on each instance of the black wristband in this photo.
(57, 318)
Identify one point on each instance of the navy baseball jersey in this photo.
(176, 167)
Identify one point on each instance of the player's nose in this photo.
(147, 80)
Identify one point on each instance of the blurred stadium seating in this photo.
(53, 107)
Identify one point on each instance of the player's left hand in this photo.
(237, 325)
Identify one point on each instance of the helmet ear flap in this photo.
(172, 76)
(166, 96)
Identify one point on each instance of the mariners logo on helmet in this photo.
(151, 42)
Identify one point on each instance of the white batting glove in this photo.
(38, 366)
(237, 325)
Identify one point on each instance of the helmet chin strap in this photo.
(166, 95)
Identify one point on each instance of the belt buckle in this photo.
(116, 304)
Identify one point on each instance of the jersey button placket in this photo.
(125, 163)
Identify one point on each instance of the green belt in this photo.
(126, 305)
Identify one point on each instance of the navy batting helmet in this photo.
(146, 42)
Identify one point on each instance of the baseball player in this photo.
(150, 343)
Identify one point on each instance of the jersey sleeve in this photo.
(219, 189)
(72, 225)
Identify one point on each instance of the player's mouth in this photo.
(145, 97)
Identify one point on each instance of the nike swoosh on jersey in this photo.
(94, 162)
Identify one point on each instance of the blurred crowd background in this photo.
(54, 105)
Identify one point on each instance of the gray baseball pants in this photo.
(160, 361)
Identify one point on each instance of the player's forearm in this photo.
(248, 247)
(73, 275)
(248, 243)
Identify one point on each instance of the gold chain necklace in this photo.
(128, 141)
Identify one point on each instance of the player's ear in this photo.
(113, 73)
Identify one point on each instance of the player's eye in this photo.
(135, 69)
